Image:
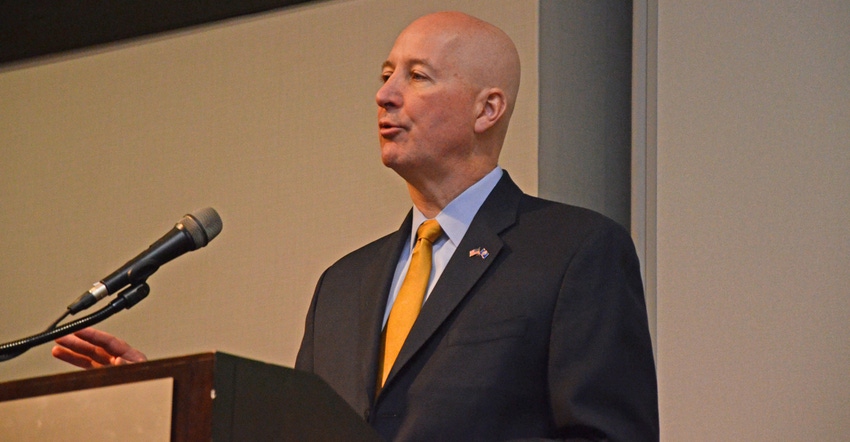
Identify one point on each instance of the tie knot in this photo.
(429, 230)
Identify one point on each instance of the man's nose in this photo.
(388, 95)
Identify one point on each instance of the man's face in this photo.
(426, 106)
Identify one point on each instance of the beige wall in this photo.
(270, 120)
(753, 220)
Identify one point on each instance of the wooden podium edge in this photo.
(223, 397)
(103, 377)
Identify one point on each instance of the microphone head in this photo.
(203, 226)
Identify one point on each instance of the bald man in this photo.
(533, 323)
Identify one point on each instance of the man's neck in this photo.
(432, 199)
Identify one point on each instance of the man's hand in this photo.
(91, 348)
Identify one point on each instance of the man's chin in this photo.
(390, 154)
(396, 164)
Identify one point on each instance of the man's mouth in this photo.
(387, 129)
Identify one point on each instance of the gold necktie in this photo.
(410, 296)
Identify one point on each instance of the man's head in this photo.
(450, 84)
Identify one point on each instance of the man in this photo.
(532, 321)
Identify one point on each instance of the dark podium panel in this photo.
(221, 397)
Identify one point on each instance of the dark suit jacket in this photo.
(547, 337)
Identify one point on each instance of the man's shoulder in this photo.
(540, 214)
(558, 215)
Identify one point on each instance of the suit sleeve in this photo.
(601, 367)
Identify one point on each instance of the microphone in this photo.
(193, 231)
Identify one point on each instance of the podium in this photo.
(214, 396)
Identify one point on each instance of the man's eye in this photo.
(385, 76)
(417, 76)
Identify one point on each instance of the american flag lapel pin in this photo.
(480, 251)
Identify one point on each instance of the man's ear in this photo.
(492, 104)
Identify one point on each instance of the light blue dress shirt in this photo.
(455, 219)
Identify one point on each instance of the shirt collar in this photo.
(456, 217)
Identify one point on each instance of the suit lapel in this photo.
(462, 272)
(375, 287)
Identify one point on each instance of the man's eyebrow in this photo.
(411, 62)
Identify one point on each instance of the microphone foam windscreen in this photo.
(203, 226)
